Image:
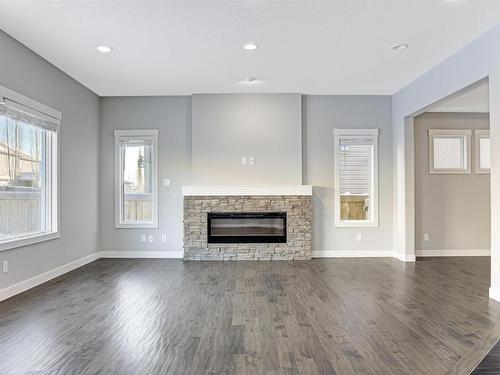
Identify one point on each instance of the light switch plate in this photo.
(150, 239)
(143, 238)
(426, 237)
(166, 182)
(252, 160)
(243, 160)
(163, 238)
(358, 237)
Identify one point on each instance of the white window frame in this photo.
(356, 134)
(145, 134)
(451, 133)
(53, 175)
(478, 134)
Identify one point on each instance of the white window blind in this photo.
(355, 166)
(356, 176)
(28, 175)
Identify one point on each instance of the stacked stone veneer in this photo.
(299, 214)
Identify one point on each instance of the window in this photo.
(482, 153)
(136, 164)
(356, 177)
(28, 171)
(449, 151)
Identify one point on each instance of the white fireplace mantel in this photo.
(221, 190)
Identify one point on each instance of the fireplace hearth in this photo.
(247, 222)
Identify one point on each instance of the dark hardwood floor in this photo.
(335, 316)
(491, 363)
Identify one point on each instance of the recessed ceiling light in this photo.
(250, 46)
(104, 49)
(399, 46)
(250, 80)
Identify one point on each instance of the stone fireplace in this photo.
(247, 222)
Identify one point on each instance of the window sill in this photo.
(136, 226)
(28, 240)
(351, 224)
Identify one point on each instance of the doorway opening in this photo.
(451, 149)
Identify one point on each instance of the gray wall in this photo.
(321, 115)
(172, 116)
(210, 129)
(265, 126)
(453, 209)
(27, 73)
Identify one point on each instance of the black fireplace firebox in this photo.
(246, 227)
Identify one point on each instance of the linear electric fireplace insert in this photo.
(246, 227)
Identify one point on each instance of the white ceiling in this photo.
(475, 100)
(187, 46)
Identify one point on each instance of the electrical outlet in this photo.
(163, 238)
(166, 182)
(358, 237)
(243, 160)
(150, 239)
(426, 237)
(5, 266)
(143, 238)
(252, 160)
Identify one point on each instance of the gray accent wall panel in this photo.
(227, 127)
(27, 73)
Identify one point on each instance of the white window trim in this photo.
(466, 133)
(149, 134)
(356, 134)
(478, 134)
(55, 214)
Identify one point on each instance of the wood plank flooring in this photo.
(325, 316)
(490, 364)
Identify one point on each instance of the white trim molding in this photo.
(24, 100)
(32, 282)
(404, 257)
(494, 293)
(142, 254)
(353, 254)
(49, 121)
(465, 135)
(150, 135)
(454, 253)
(363, 254)
(239, 190)
(478, 135)
(357, 134)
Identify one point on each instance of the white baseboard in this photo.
(403, 257)
(454, 253)
(24, 285)
(494, 294)
(141, 254)
(363, 254)
(352, 254)
(46, 276)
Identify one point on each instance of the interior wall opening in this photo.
(451, 176)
